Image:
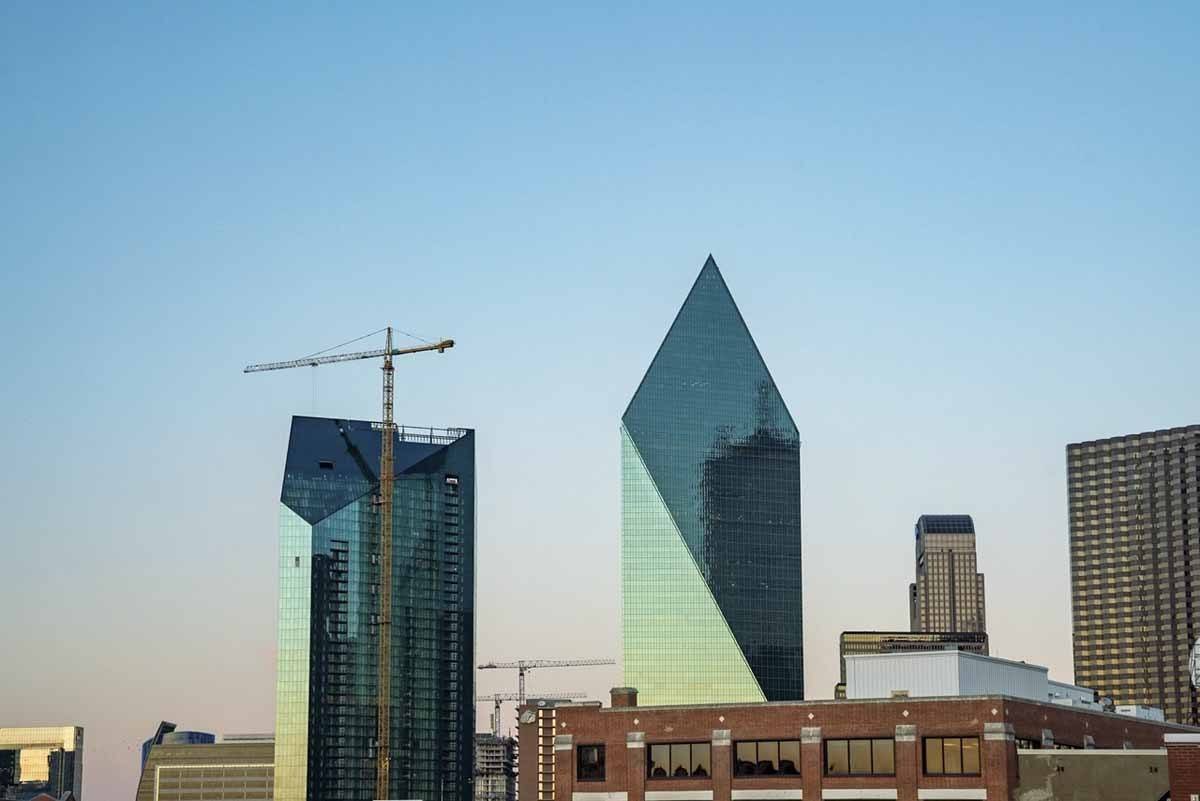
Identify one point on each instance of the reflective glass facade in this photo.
(328, 647)
(710, 463)
(41, 759)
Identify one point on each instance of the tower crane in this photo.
(524, 665)
(497, 698)
(384, 504)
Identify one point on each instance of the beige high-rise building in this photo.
(1134, 505)
(948, 593)
(240, 766)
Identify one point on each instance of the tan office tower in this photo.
(948, 592)
(1135, 552)
(241, 766)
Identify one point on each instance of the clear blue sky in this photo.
(961, 239)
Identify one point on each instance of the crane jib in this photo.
(348, 357)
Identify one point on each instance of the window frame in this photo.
(603, 761)
(942, 740)
(870, 750)
(649, 748)
(779, 774)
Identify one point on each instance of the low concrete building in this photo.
(1139, 711)
(942, 674)
(230, 769)
(1095, 775)
(852, 643)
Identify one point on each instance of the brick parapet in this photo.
(997, 721)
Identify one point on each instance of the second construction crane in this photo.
(384, 505)
(499, 698)
(522, 666)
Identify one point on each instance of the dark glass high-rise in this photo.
(328, 610)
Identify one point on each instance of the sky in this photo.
(961, 238)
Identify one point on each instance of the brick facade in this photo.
(998, 721)
(1183, 765)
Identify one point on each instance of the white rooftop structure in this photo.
(252, 737)
(940, 674)
(1142, 712)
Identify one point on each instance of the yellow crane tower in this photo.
(384, 504)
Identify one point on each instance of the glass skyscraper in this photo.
(328, 586)
(710, 525)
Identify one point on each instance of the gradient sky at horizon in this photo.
(961, 239)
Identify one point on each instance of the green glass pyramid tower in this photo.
(710, 517)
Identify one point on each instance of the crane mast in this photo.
(383, 736)
(383, 760)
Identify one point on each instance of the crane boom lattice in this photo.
(524, 665)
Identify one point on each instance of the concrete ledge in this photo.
(953, 795)
(998, 731)
(768, 795)
(599, 796)
(679, 795)
(1181, 739)
(871, 793)
(1111, 753)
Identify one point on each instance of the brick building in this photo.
(904, 748)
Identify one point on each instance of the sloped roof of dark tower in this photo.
(343, 455)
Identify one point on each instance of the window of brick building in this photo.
(952, 756)
(590, 763)
(767, 758)
(860, 757)
(679, 761)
